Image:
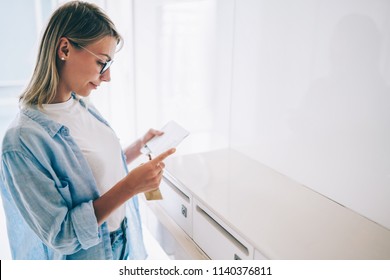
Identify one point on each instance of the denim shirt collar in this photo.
(49, 125)
(36, 115)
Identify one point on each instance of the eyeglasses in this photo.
(105, 65)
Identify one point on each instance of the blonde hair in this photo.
(82, 23)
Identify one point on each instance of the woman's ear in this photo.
(63, 48)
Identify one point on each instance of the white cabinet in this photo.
(201, 225)
(177, 203)
(239, 204)
(216, 239)
(210, 233)
(172, 239)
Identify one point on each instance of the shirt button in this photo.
(65, 131)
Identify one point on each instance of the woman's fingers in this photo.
(148, 175)
(164, 155)
(151, 134)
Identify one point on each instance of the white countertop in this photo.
(281, 218)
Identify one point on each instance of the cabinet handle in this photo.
(184, 211)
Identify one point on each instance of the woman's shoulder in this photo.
(23, 131)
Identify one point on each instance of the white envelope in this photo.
(173, 135)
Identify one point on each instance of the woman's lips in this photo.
(94, 86)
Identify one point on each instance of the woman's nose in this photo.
(106, 76)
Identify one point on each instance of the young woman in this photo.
(66, 191)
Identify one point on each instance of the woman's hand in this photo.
(144, 178)
(147, 176)
(149, 135)
(133, 151)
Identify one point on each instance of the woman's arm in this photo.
(47, 207)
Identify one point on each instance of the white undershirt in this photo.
(99, 145)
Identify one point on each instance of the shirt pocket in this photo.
(64, 190)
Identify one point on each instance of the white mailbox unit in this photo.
(232, 207)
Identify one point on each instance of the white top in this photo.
(280, 217)
(99, 145)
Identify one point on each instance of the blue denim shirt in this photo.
(47, 190)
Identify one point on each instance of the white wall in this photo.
(183, 53)
(311, 96)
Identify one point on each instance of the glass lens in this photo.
(106, 66)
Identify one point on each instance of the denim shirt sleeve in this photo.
(44, 206)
